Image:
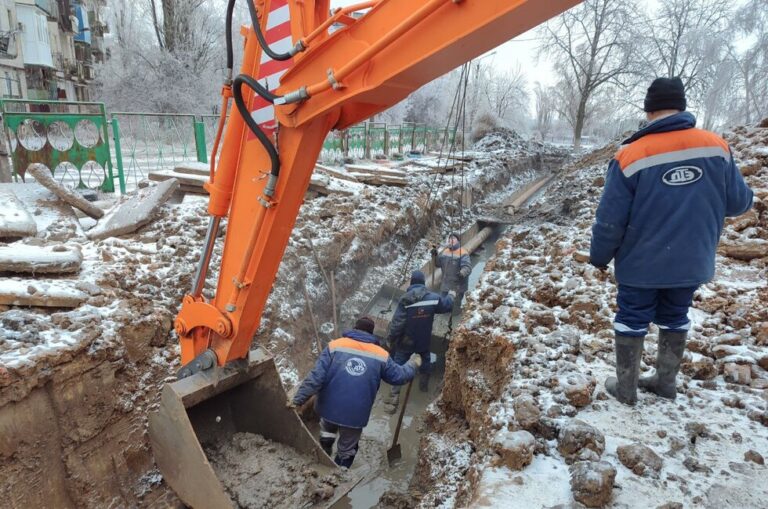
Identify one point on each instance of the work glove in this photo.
(452, 294)
(291, 405)
(598, 267)
(433, 251)
(415, 361)
(464, 272)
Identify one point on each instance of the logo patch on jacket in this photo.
(682, 175)
(355, 366)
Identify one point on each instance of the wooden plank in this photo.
(30, 292)
(357, 169)
(183, 178)
(199, 169)
(333, 172)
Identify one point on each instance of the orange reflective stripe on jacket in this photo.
(359, 348)
(670, 147)
(460, 252)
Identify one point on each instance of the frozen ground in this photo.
(536, 346)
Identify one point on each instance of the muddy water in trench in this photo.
(371, 461)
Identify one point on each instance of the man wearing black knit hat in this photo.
(346, 379)
(667, 193)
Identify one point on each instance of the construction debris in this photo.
(31, 259)
(15, 220)
(378, 175)
(55, 220)
(43, 176)
(135, 212)
(30, 292)
(189, 182)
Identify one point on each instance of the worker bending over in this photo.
(456, 266)
(410, 331)
(346, 379)
(667, 193)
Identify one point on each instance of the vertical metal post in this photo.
(367, 132)
(118, 154)
(202, 151)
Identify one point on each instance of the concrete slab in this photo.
(29, 259)
(15, 219)
(30, 292)
(134, 212)
(56, 220)
(43, 177)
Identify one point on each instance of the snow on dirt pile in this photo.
(258, 473)
(535, 347)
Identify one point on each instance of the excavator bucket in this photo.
(208, 408)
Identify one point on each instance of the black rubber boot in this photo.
(327, 445)
(424, 382)
(624, 386)
(671, 349)
(344, 463)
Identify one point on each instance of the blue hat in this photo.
(418, 277)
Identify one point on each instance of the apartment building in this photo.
(48, 48)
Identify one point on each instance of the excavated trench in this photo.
(381, 479)
(74, 423)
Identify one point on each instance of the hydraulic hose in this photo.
(263, 42)
(237, 94)
(230, 51)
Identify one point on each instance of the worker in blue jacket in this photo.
(346, 379)
(667, 193)
(410, 331)
(456, 266)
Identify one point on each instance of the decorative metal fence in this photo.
(69, 138)
(73, 139)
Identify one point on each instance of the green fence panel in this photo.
(155, 142)
(71, 139)
(333, 146)
(356, 141)
(200, 147)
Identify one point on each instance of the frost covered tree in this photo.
(690, 39)
(168, 58)
(545, 109)
(751, 21)
(591, 46)
(505, 92)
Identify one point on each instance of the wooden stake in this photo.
(333, 302)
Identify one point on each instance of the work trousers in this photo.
(666, 307)
(348, 438)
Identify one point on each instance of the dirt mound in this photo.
(500, 138)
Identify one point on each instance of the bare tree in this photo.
(545, 109)
(686, 38)
(505, 90)
(752, 21)
(591, 47)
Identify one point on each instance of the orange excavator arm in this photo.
(276, 130)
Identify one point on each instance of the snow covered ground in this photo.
(536, 346)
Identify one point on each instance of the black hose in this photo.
(230, 51)
(237, 94)
(260, 36)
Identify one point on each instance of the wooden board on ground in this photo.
(30, 292)
(381, 180)
(199, 169)
(44, 177)
(30, 259)
(135, 211)
(333, 172)
(185, 179)
(15, 219)
(367, 169)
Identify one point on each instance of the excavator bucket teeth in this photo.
(208, 408)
